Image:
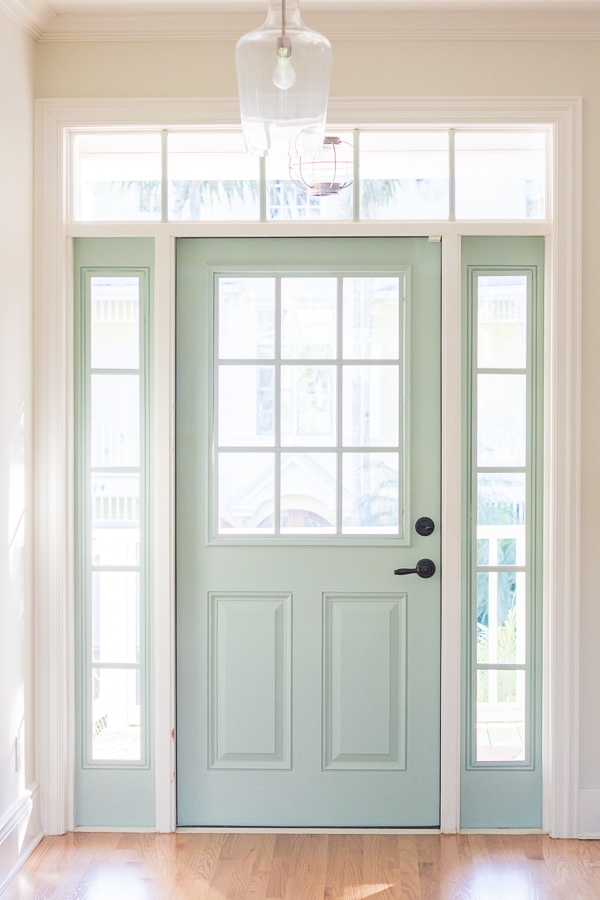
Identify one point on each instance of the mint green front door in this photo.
(308, 447)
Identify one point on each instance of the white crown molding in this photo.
(348, 26)
(33, 16)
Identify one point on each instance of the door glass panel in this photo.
(308, 406)
(246, 499)
(501, 420)
(500, 715)
(211, 177)
(116, 731)
(308, 318)
(370, 493)
(116, 617)
(371, 327)
(115, 420)
(246, 406)
(502, 321)
(500, 175)
(246, 318)
(371, 411)
(404, 175)
(308, 493)
(115, 341)
(117, 177)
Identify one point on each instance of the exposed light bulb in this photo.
(283, 74)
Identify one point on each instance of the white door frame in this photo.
(53, 427)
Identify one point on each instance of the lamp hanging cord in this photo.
(284, 45)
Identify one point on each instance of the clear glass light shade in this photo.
(283, 71)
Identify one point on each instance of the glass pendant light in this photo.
(283, 71)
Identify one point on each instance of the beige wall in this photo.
(16, 713)
(420, 68)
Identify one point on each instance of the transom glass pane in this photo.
(500, 174)
(211, 177)
(117, 177)
(404, 175)
(287, 201)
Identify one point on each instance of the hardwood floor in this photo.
(249, 866)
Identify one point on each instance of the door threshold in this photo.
(241, 829)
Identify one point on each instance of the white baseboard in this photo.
(20, 833)
(589, 813)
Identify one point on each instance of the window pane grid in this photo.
(405, 174)
(501, 413)
(300, 446)
(114, 612)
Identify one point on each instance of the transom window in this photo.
(399, 174)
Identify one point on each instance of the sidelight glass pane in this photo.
(116, 731)
(308, 493)
(501, 420)
(246, 406)
(501, 501)
(115, 420)
(117, 177)
(116, 617)
(115, 340)
(246, 500)
(500, 715)
(246, 318)
(370, 493)
(501, 617)
(371, 407)
(404, 175)
(211, 177)
(371, 327)
(500, 174)
(115, 519)
(308, 318)
(308, 406)
(502, 321)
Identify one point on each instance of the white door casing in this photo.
(53, 413)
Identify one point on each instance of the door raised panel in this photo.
(249, 681)
(364, 681)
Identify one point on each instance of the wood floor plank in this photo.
(252, 866)
(308, 868)
(343, 880)
(381, 866)
(280, 870)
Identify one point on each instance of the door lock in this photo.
(425, 568)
